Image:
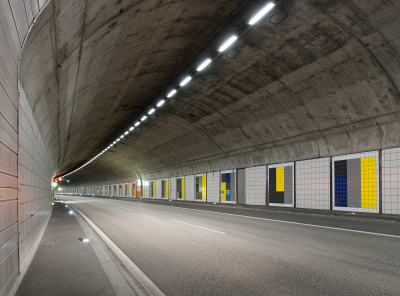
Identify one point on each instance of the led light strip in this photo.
(204, 64)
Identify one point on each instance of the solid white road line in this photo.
(287, 222)
(150, 287)
(127, 209)
(199, 227)
(281, 221)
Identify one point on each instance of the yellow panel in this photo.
(166, 188)
(203, 189)
(223, 191)
(280, 179)
(183, 188)
(368, 182)
(154, 190)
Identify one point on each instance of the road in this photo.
(198, 250)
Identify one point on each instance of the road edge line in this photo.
(147, 284)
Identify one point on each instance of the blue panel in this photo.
(341, 191)
(228, 178)
(228, 197)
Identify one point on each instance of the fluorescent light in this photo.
(70, 212)
(261, 13)
(85, 240)
(137, 123)
(204, 64)
(171, 93)
(151, 111)
(143, 118)
(160, 103)
(118, 140)
(126, 133)
(185, 81)
(132, 128)
(228, 43)
(115, 142)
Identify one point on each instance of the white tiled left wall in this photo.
(35, 194)
(24, 167)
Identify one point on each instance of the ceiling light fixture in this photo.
(160, 103)
(203, 65)
(137, 123)
(185, 81)
(143, 118)
(259, 15)
(131, 128)
(228, 43)
(151, 111)
(171, 93)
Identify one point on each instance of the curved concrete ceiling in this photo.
(325, 81)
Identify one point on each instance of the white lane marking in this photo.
(127, 209)
(287, 222)
(199, 227)
(150, 287)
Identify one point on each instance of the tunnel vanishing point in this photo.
(197, 101)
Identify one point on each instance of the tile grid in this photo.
(256, 182)
(391, 181)
(172, 188)
(313, 184)
(189, 188)
(213, 184)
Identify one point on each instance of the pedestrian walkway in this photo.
(71, 260)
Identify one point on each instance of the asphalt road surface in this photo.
(197, 250)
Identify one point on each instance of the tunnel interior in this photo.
(301, 111)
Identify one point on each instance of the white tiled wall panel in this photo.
(146, 189)
(9, 51)
(313, 185)
(20, 17)
(391, 181)
(34, 172)
(172, 188)
(189, 188)
(256, 184)
(213, 185)
(158, 188)
(28, 8)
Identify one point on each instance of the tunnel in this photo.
(254, 145)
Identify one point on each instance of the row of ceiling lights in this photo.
(225, 45)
